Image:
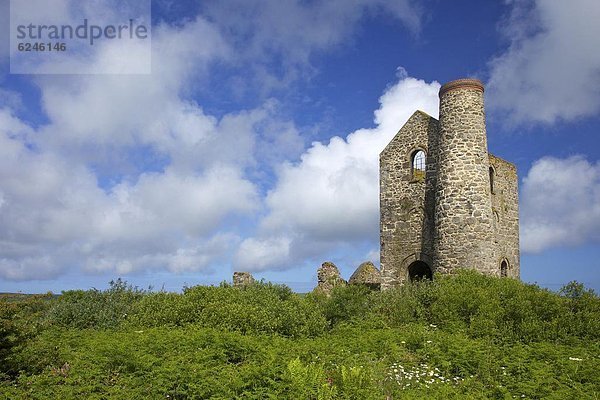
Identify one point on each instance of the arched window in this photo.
(418, 165)
(504, 268)
(492, 180)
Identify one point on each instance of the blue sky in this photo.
(253, 143)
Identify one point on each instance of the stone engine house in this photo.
(446, 203)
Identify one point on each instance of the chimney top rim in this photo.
(465, 83)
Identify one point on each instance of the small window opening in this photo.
(418, 165)
(492, 180)
(504, 269)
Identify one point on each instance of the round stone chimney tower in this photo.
(463, 230)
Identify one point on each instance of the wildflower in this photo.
(575, 359)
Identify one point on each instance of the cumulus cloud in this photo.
(56, 213)
(276, 25)
(560, 203)
(132, 173)
(291, 31)
(332, 195)
(260, 254)
(551, 70)
(53, 214)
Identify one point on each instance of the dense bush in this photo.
(345, 303)
(471, 303)
(20, 321)
(487, 307)
(95, 308)
(257, 308)
(466, 336)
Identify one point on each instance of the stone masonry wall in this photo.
(407, 202)
(450, 218)
(463, 213)
(505, 210)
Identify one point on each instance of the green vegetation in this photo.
(461, 337)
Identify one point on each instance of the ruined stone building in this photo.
(446, 203)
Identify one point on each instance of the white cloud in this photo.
(54, 212)
(332, 194)
(560, 204)
(290, 32)
(73, 193)
(196, 255)
(551, 71)
(260, 254)
(276, 25)
(10, 99)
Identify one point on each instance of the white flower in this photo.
(575, 359)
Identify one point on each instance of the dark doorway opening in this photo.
(419, 271)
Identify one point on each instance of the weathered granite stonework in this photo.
(366, 274)
(328, 277)
(505, 212)
(447, 216)
(241, 279)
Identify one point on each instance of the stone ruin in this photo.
(241, 279)
(368, 275)
(328, 277)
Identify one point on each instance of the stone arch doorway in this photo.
(419, 270)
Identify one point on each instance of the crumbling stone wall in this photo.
(450, 219)
(328, 277)
(367, 275)
(241, 279)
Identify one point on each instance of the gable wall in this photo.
(406, 204)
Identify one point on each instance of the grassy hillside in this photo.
(463, 337)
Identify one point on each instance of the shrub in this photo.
(257, 308)
(404, 304)
(95, 308)
(19, 322)
(344, 304)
